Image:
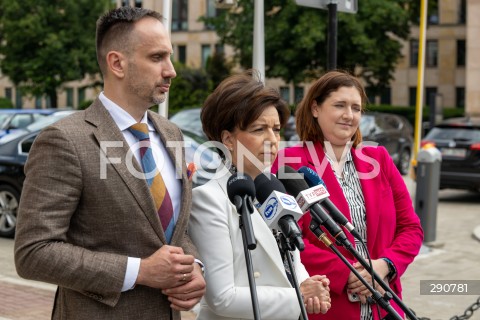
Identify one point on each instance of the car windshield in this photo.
(454, 133)
(188, 120)
(3, 119)
(43, 122)
(366, 123)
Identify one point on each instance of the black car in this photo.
(458, 140)
(14, 149)
(392, 131)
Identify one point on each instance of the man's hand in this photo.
(187, 295)
(167, 268)
(316, 294)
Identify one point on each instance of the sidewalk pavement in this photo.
(455, 255)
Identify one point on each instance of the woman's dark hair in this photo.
(237, 102)
(307, 126)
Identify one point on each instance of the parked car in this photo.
(204, 154)
(392, 131)
(14, 150)
(15, 119)
(458, 140)
(189, 120)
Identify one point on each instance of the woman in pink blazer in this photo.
(364, 184)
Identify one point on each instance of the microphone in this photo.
(279, 210)
(313, 179)
(308, 199)
(241, 190)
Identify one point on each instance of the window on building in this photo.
(462, 12)
(412, 96)
(460, 97)
(431, 55)
(182, 54)
(430, 95)
(69, 92)
(370, 95)
(8, 93)
(461, 58)
(212, 12)
(138, 3)
(48, 102)
(386, 96)
(179, 15)
(125, 3)
(206, 53)
(38, 102)
(81, 96)
(433, 16)
(219, 48)
(413, 52)
(298, 94)
(285, 93)
(18, 99)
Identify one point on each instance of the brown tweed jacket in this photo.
(79, 218)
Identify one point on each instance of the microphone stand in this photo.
(245, 208)
(382, 283)
(285, 246)
(377, 297)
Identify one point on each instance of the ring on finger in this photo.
(184, 278)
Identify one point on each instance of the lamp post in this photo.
(167, 15)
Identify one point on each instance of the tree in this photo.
(48, 42)
(189, 88)
(218, 68)
(296, 38)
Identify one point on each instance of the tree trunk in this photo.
(52, 94)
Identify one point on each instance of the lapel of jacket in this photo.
(370, 188)
(262, 233)
(175, 150)
(107, 131)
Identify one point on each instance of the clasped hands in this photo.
(316, 294)
(356, 286)
(176, 273)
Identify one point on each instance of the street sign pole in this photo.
(332, 35)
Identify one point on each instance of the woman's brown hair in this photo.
(237, 102)
(307, 126)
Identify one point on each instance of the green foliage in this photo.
(48, 42)
(5, 103)
(296, 38)
(84, 104)
(189, 89)
(218, 68)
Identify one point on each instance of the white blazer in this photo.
(214, 229)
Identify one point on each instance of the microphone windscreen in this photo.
(240, 184)
(265, 184)
(291, 180)
(311, 177)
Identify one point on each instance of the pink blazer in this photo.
(393, 228)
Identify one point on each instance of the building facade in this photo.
(452, 70)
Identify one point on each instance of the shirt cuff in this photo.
(131, 274)
(202, 266)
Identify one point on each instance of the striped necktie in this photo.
(161, 197)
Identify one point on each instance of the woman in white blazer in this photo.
(246, 118)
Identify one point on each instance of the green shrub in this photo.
(5, 103)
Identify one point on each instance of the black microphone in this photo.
(313, 179)
(308, 198)
(241, 190)
(279, 210)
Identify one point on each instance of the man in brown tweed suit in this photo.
(87, 222)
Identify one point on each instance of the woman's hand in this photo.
(356, 286)
(316, 294)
